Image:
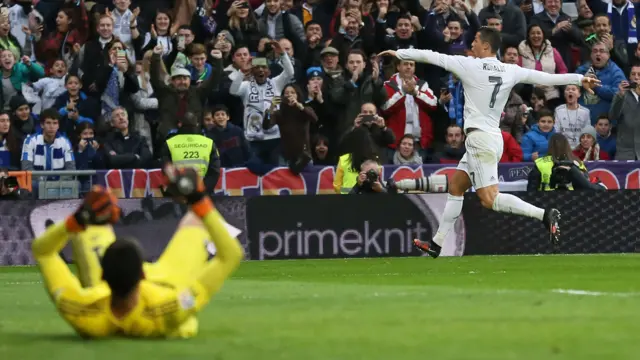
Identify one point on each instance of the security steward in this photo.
(560, 170)
(187, 147)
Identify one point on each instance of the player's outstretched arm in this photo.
(454, 64)
(99, 207)
(185, 183)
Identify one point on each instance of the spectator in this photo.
(353, 36)
(116, 80)
(368, 121)
(279, 24)
(15, 75)
(617, 46)
(538, 102)
(313, 34)
(536, 53)
(571, 117)
(49, 149)
(625, 109)
(22, 17)
(242, 25)
(588, 149)
(188, 148)
(8, 41)
(512, 152)
(511, 121)
(409, 100)
(240, 61)
(452, 100)
(558, 30)
(535, 143)
(316, 11)
(23, 122)
(454, 149)
(606, 140)
(158, 37)
(458, 40)
(315, 100)
(204, 23)
(228, 138)
(9, 146)
(403, 37)
(367, 185)
(514, 23)
(94, 50)
(225, 43)
(124, 24)
(199, 68)
(124, 149)
(321, 154)
(144, 101)
(49, 88)
(350, 9)
(293, 119)
(406, 153)
(75, 106)
(610, 76)
(86, 151)
(329, 58)
(439, 15)
(277, 67)
(511, 55)
(180, 97)
(356, 88)
(256, 94)
(622, 14)
(61, 42)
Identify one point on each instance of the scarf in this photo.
(259, 101)
(412, 117)
(399, 160)
(456, 105)
(632, 36)
(111, 96)
(594, 152)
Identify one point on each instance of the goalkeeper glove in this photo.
(184, 183)
(99, 207)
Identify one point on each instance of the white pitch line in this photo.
(594, 293)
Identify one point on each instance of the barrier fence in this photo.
(297, 227)
(138, 183)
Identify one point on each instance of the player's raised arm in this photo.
(535, 77)
(454, 64)
(99, 207)
(186, 183)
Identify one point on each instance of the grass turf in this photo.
(409, 308)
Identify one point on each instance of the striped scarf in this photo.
(632, 35)
(111, 96)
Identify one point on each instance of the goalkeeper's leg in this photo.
(88, 247)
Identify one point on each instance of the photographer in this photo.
(560, 169)
(9, 187)
(369, 181)
(373, 125)
(624, 109)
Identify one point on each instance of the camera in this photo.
(560, 174)
(372, 176)
(367, 119)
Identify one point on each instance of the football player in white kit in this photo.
(487, 83)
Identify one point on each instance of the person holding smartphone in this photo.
(86, 149)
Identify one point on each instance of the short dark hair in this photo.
(190, 121)
(452, 19)
(600, 117)
(220, 107)
(49, 113)
(599, 16)
(357, 52)
(122, 266)
(491, 36)
(185, 27)
(545, 112)
(311, 22)
(493, 16)
(403, 16)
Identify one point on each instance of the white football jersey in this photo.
(487, 83)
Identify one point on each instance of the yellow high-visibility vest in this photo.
(191, 150)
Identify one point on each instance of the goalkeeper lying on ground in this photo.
(136, 299)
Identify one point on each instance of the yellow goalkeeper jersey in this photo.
(160, 310)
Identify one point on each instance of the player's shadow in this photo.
(15, 338)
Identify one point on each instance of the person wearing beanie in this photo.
(23, 123)
(588, 149)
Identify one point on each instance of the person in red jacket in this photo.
(588, 149)
(406, 110)
(512, 152)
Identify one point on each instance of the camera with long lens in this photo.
(372, 176)
(560, 175)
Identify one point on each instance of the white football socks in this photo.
(507, 203)
(452, 211)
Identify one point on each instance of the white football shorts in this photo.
(480, 162)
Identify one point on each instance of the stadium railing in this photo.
(64, 184)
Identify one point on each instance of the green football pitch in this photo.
(479, 307)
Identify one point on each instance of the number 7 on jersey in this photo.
(498, 81)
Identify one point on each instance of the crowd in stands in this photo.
(105, 84)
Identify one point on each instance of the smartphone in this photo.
(367, 119)
(122, 54)
(444, 90)
(244, 5)
(633, 85)
(181, 40)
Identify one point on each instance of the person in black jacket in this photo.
(228, 138)
(124, 149)
(94, 50)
